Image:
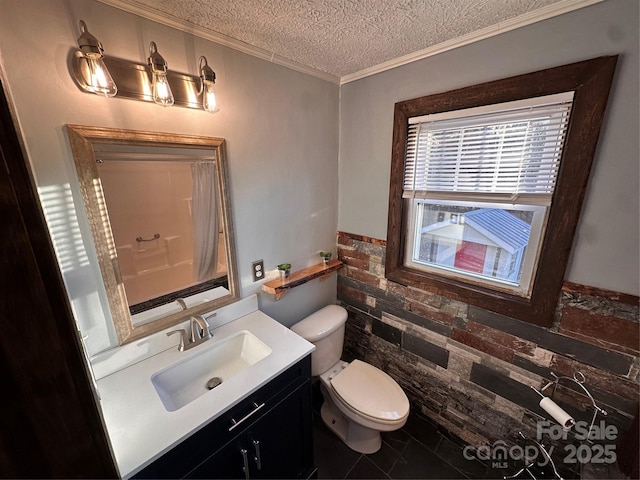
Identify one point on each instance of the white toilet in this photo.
(360, 400)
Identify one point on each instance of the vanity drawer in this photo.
(204, 443)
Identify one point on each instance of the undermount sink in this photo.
(184, 381)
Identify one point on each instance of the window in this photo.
(492, 172)
(487, 183)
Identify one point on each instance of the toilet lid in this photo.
(370, 391)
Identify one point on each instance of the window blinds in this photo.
(502, 152)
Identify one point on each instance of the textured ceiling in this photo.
(343, 37)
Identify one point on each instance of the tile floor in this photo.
(420, 450)
(417, 450)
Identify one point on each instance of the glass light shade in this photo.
(209, 101)
(208, 87)
(162, 94)
(98, 78)
(90, 71)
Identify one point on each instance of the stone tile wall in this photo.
(470, 370)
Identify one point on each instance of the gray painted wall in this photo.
(282, 134)
(280, 127)
(606, 247)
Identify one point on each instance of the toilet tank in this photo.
(325, 329)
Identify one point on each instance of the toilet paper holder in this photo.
(579, 379)
(560, 415)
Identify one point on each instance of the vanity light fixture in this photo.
(162, 94)
(207, 87)
(90, 71)
(152, 81)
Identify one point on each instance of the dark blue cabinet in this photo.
(269, 434)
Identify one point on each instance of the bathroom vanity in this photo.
(255, 424)
(266, 435)
(235, 405)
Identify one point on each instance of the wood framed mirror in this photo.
(159, 210)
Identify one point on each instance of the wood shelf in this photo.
(280, 287)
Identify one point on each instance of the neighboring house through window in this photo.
(490, 242)
(487, 183)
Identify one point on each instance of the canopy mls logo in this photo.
(500, 455)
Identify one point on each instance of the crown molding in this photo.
(150, 13)
(529, 18)
(550, 11)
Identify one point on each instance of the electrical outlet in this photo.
(257, 268)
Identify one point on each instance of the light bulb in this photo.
(99, 79)
(208, 87)
(162, 94)
(209, 102)
(93, 75)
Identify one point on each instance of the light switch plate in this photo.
(257, 268)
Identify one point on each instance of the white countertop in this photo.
(141, 429)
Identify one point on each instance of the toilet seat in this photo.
(370, 393)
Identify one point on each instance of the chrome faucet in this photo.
(199, 329)
(200, 332)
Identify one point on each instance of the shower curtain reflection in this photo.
(205, 219)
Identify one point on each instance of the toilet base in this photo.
(355, 436)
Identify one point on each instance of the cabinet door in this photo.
(228, 462)
(276, 445)
(281, 442)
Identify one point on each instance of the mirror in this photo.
(159, 210)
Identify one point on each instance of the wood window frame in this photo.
(590, 80)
